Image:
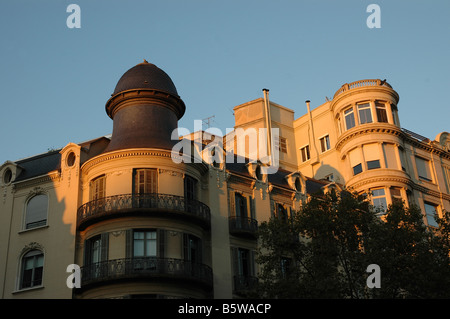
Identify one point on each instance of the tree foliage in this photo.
(323, 251)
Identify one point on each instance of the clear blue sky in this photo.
(55, 81)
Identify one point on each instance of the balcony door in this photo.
(145, 187)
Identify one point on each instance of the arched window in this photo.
(32, 265)
(36, 211)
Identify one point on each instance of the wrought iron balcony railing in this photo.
(129, 204)
(243, 226)
(146, 268)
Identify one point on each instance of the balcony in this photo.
(150, 204)
(361, 84)
(145, 268)
(243, 226)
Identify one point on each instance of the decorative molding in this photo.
(32, 246)
(51, 177)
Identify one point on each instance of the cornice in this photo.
(365, 129)
(32, 182)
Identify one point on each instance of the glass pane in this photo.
(357, 169)
(349, 119)
(365, 116)
(373, 164)
(138, 248)
(378, 192)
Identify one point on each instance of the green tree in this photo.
(323, 251)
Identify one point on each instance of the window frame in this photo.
(149, 184)
(362, 109)
(305, 153)
(27, 225)
(325, 144)
(379, 197)
(427, 166)
(381, 106)
(33, 254)
(148, 243)
(349, 112)
(360, 170)
(431, 222)
(97, 188)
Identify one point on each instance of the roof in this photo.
(39, 165)
(146, 76)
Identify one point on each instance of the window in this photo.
(349, 118)
(7, 176)
(379, 199)
(396, 195)
(281, 212)
(241, 206)
(325, 143)
(283, 145)
(36, 211)
(192, 249)
(97, 188)
(305, 153)
(381, 112)
(365, 114)
(431, 213)
(423, 169)
(357, 169)
(145, 181)
(32, 269)
(330, 177)
(373, 164)
(144, 243)
(190, 187)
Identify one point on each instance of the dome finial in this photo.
(145, 61)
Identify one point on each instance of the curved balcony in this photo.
(146, 268)
(150, 204)
(243, 226)
(360, 84)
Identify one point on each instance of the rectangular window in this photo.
(32, 269)
(305, 153)
(396, 195)
(365, 114)
(431, 212)
(97, 188)
(379, 199)
(423, 169)
(381, 112)
(190, 187)
(145, 181)
(357, 169)
(325, 143)
(144, 243)
(373, 164)
(241, 206)
(282, 147)
(349, 118)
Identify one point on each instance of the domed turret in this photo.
(145, 108)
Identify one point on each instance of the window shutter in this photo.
(162, 242)
(231, 195)
(104, 246)
(129, 244)
(87, 252)
(36, 214)
(252, 207)
(251, 263)
(371, 152)
(186, 246)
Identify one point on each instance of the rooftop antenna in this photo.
(208, 120)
